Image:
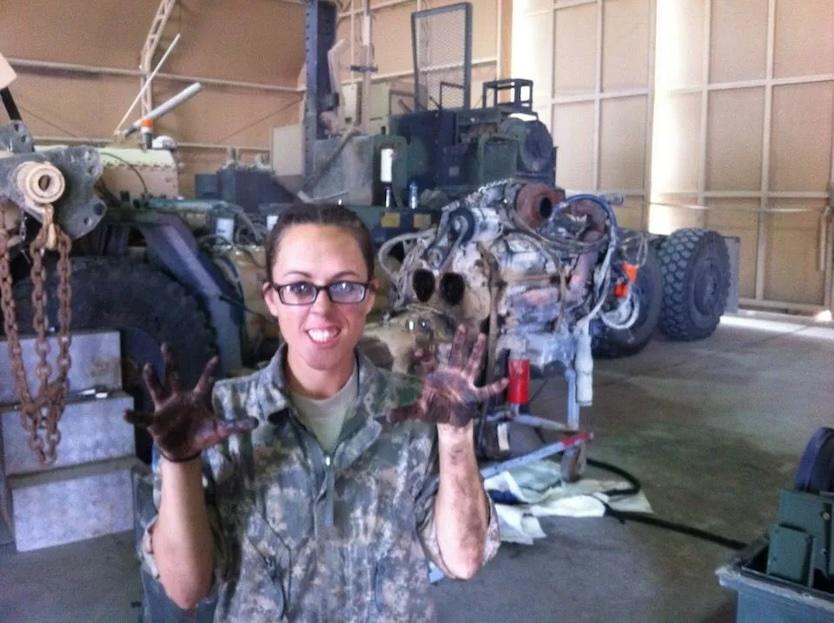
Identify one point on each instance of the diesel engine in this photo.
(523, 263)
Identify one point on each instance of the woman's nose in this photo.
(322, 302)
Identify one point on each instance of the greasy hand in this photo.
(183, 422)
(449, 394)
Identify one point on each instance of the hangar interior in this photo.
(701, 116)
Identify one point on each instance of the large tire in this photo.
(145, 305)
(612, 343)
(695, 266)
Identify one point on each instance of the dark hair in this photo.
(324, 214)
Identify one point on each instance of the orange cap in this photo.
(630, 271)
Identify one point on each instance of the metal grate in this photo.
(441, 42)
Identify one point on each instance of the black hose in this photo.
(704, 535)
(635, 487)
(644, 518)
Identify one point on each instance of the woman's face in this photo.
(320, 337)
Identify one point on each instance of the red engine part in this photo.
(622, 289)
(518, 389)
(536, 202)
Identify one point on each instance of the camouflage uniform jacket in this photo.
(305, 536)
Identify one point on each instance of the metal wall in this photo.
(592, 62)
(744, 118)
(720, 111)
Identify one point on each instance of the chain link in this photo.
(40, 414)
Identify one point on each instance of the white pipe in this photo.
(584, 366)
(186, 94)
(147, 84)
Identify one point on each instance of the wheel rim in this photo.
(707, 288)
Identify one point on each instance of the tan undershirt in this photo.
(325, 418)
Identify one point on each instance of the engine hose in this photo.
(441, 263)
(568, 245)
(386, 247)
(644, 518)
(258, 233)
(612, 246)
(642, 247)
(582, 248)
(612, 218)
(441, 232)
(628, 323)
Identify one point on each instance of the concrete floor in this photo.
(713, 429)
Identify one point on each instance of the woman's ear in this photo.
(270, 298)
(370, 298)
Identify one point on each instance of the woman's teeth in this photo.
(321, 336)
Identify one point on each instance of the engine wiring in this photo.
(603, 269)
(131, 166)
(558, 247)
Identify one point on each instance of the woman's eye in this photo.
(342, 287)
(300, 289)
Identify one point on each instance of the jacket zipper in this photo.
(330, 490)
(329, 475)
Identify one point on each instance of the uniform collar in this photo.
(379, 392)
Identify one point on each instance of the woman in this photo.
(350, 477)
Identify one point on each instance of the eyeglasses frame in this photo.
(367, 285)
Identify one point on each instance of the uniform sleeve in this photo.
(221, 480)
(424, 505)
(215, 463)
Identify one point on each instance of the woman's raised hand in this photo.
(449, 393)
(183, 422)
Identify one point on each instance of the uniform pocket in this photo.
(263, 590)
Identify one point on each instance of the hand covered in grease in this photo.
(449, 394)
(183, 422)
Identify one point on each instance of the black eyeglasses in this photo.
(306, 293)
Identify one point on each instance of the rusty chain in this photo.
(40, 414)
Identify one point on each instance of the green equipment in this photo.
(788, 576)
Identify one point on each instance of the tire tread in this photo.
(676, 255)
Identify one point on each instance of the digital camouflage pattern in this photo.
(305, 536)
